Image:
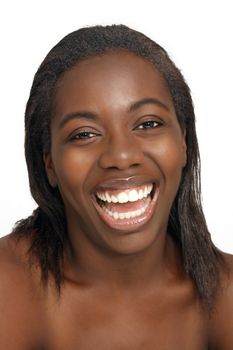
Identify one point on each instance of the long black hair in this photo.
(47, 224)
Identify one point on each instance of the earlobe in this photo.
(49, 169)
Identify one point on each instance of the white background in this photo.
(198, 37)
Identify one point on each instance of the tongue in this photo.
(125, 207)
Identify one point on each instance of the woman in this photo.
(117, 255)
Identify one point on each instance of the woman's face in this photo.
(117, 151)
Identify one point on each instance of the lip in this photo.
(124, 183)
(132, 224)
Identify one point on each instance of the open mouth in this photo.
(127, 208)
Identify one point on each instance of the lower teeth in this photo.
(127, 215)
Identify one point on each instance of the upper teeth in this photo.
(125, 196)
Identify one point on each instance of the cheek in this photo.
(169, 156)
(72, 169)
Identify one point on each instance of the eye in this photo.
(83, 135)
(149, 124)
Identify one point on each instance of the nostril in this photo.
(118, 162)
(119, 158)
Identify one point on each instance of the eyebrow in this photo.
(78, 115)
(93, 116)
(148, 100)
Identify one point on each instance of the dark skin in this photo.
(123, 289)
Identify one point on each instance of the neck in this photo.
(87, 263)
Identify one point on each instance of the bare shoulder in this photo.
(12, 261)
(221, 323)
(14, 264)
(19, 297)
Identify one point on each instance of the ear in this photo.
(184, 147)
(49, 169)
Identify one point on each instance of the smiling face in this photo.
(117, 152)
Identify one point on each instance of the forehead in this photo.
(117, 77)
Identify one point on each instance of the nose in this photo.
(121, 152)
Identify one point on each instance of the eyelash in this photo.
(85, 135)
(144, 125)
